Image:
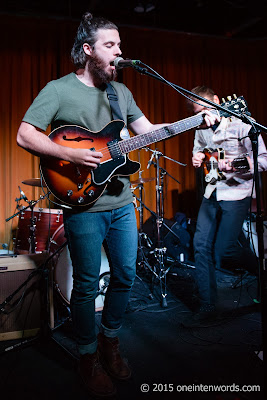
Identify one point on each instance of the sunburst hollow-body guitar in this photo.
(76, 185)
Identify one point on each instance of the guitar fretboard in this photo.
(145, 139)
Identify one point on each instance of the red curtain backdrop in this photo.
(35, 51)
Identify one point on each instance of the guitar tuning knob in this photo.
(229, 98)
(223, 100)
(234, 96)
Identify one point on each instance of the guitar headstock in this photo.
(236, 104)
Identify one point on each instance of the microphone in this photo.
(150, 161)
(22, 195)
(120, 63)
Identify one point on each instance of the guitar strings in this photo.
(106, 149)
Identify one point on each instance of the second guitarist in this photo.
(224, 206)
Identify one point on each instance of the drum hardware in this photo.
(33, 219)
(158, 269)
(45, 329)
(104, 280)
(45, 272)
(57, 261)
(62, 271)
(34, 182)
(141, 180)
(36, 225)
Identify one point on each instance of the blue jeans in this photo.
(85, 233)
(218, 222)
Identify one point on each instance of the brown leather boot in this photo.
(111, 359)
(95, 378)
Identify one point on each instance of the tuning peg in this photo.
(229, 98)
(223, 99)
(234, 96)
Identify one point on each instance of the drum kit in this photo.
(41, 231)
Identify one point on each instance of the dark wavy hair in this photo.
(87, 33)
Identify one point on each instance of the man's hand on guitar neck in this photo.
(211, 117)
(227, 165)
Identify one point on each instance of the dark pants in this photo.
(218, 222)
(85, 233)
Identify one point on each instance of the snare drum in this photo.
(62, 276)
(46, 222)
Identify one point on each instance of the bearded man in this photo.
(81, 99)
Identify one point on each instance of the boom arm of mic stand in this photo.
(169, 158)
(32, 203)
(166, 172)
(243, 117)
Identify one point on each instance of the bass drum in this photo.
(62, 266)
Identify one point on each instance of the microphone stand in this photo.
(243, 117)
(166, 172)
(256, 128)
(254, 136)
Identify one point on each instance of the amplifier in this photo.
(20, 295)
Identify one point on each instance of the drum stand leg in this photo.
(159, 270)
(144, 242)
(47, 317)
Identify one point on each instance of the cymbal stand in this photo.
(143, 240)
(140, 208)
(160, 250)
(144, 261)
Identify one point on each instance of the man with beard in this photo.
(81, 99)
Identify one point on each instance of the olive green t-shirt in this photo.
(68, 101)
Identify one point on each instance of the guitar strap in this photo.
(115, 109)
(114, 186)
(114, 102)
(221, 154)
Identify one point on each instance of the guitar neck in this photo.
(145, 139)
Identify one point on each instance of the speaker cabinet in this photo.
(20, 305)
